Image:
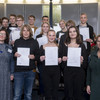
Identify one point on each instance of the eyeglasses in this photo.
(2, 34)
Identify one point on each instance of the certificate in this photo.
(60, 34)
(15, 35)
(42, 40)
(51, 56)
(85, 33)
(12, 28)
(74, 55)
(23, 60)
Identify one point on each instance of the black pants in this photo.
(74, 83)
(50, 78)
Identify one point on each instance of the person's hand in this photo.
(81, 59)
(12, 42)
(42, 58)
(11, 77)
(59, 60)
(17, 54)
(89, 40)
(31, 57)
(64, 58)
(88, 89)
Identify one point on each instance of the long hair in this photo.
(78, 38)
(42, 26)
(7, 35)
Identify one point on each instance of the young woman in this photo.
(50, 73)
(93, 73)
(73, 76)
(24, 75)
(6, 66)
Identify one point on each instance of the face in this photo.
(83, 19)
(62, 25)
(12, 20)
(2, 35)
(45, 28)
(20, 22)
(51, 36)
(26, 33)
(45, 19)
(31, 20)
(5, 23)
(72, 33)
(98, 43)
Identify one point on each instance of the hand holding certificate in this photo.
(51, 55)
(23, 60)
(74, 55)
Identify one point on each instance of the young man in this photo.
(5, 23)
(38, 31)
(12, 20)
(15, 34)
(31, 21)
(84, 24)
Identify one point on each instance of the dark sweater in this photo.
(34, 50)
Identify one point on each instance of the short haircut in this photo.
(13, 15)
(28, 28)
(83, 14)
(71, 22)
(20, 16)
(62, 20)
(5, 18)
(44, 16)
(31, 16)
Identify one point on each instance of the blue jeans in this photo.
(23, 79)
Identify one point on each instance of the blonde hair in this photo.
(62, 20)
(42, 26)
(28, 28)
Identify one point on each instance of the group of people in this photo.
(31, 44)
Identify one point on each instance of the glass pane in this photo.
(54, 1)
(2, 1)
(89, 1)
(56, 13)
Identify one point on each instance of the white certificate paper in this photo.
(74, 55)
(15, 35)
(51, 55)
(42, 40)
(23, 60)
(85, 33)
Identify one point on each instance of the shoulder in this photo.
(89, 26)
(38, 36)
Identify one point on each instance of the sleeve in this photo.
(37, 51)
(85, 57)
(11, 65)
(88, 79)
(41, 51)
(91, 33)
(15, 47)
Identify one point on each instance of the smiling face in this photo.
(83, 18)
(45, 28)
(26, 33)
(31, 20)
(2, 36)
(72, 33)
(62, 24)
(51, 36)
(12, 19)
(5, 23)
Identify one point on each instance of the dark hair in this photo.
(70, 22)
(0, 21)
(44, 16)
(7, 35)
(78, 38)
(5, 18)
(31, 16)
